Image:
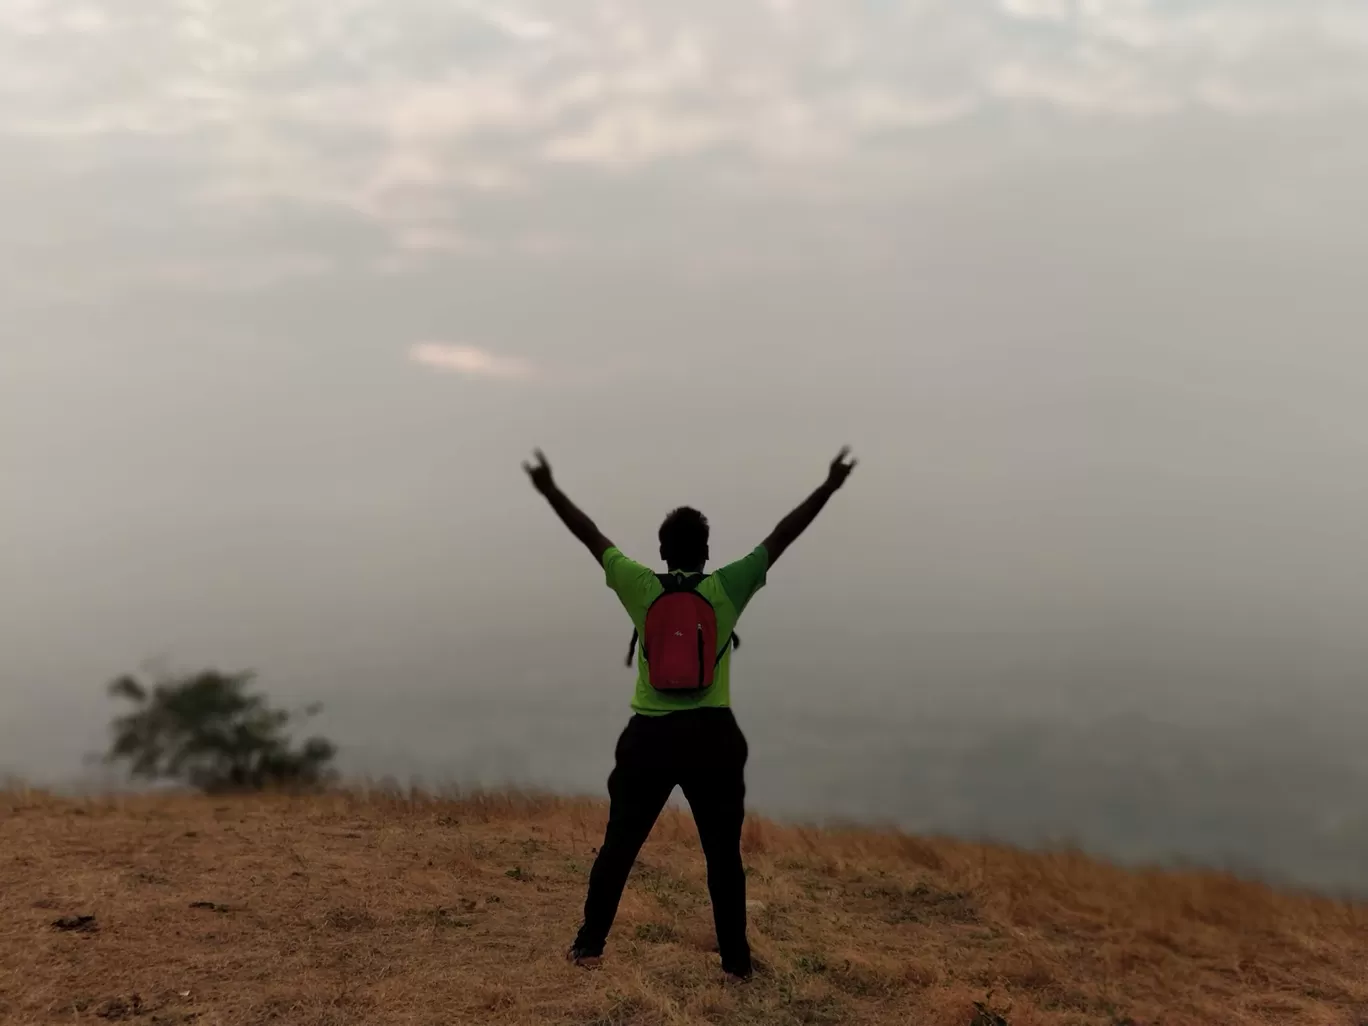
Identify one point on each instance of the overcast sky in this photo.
(288, 289)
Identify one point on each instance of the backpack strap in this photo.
(733, 642)
(673, 583)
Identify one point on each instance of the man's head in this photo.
(684, 540)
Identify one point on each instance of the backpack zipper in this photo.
(700, 655)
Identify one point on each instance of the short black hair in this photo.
(684, 539)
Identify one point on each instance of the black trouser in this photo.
(704, 752)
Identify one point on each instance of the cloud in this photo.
(513, 23)
(436, 127)
(1039, 10)
(470, 361)
(627, 137)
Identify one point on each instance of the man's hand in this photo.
(571, 515)
(540, 472)
(797, 522)
(841, 467)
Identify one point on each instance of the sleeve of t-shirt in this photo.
(745, 577)
(633, 582)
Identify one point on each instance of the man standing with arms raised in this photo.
(682, 732)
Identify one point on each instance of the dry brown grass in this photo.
(355, 908)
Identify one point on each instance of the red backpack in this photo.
(680, 646)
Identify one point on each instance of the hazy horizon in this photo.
(290, 290)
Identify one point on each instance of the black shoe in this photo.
(583, 958)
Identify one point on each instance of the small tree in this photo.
(207, 730)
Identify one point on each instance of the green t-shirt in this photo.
(728, 590)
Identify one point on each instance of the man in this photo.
(682, 731)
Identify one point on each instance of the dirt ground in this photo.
(385, 908)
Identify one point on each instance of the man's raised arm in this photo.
(571, 515)
(797, 522)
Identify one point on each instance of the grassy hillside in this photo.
(382, 909)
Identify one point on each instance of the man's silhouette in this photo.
(682, 731)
